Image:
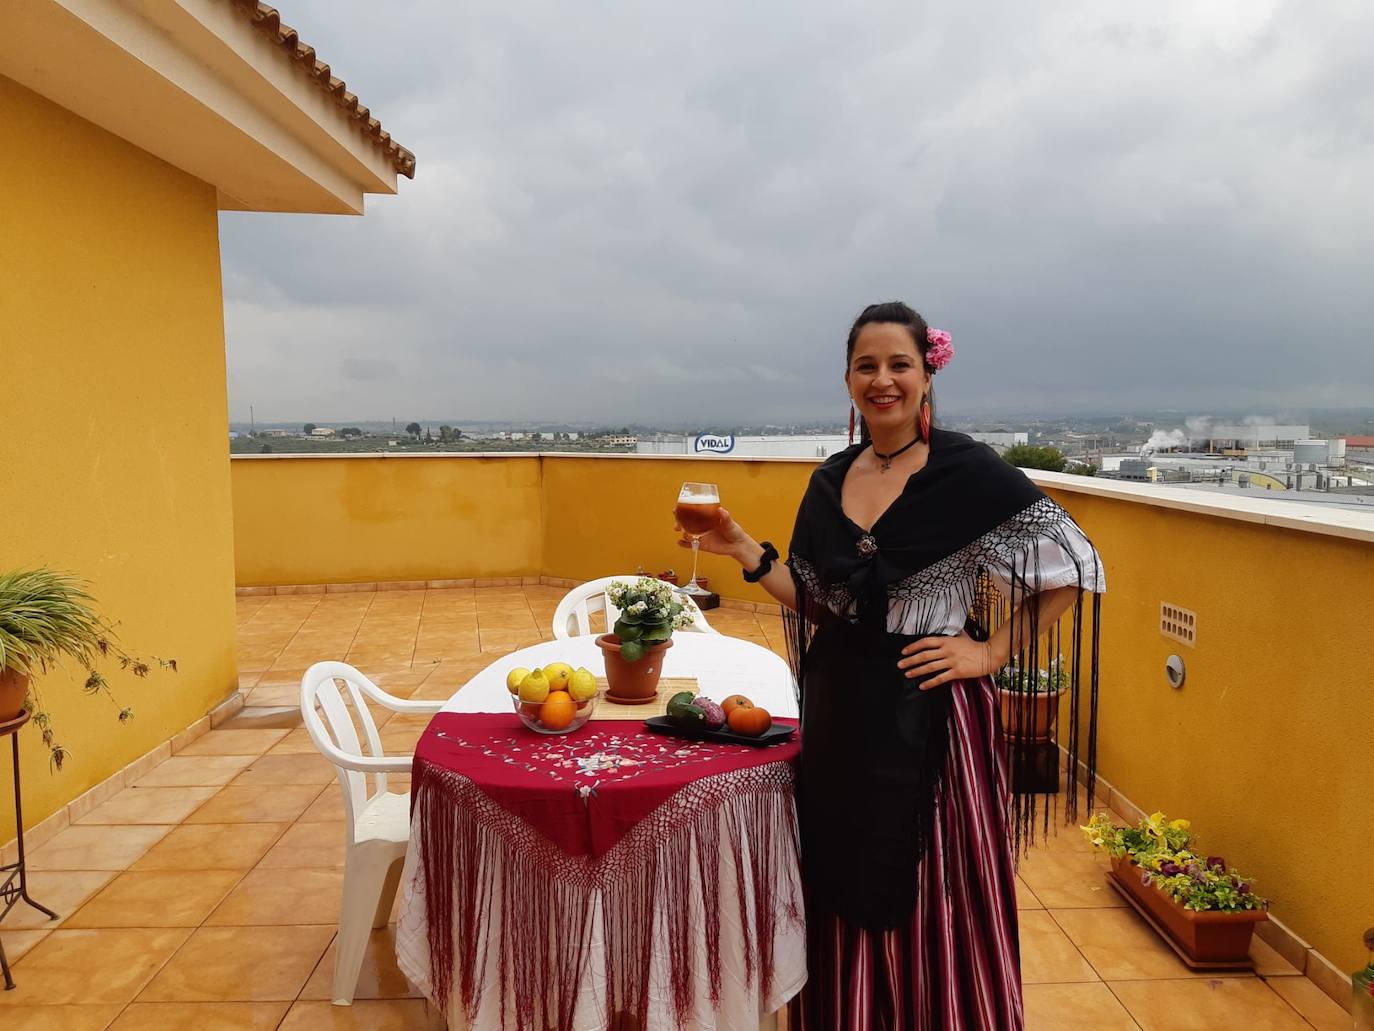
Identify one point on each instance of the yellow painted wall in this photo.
(113, 424)
(363, 519)
(1268, 748)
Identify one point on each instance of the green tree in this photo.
(1029, 456)
(1081, 469)
(445, 432)
(266, 449)
(428, 438)
(414, 430)
(309, 428)
(350, 431)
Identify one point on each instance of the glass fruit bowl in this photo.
(563, 716)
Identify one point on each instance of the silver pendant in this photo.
(867, 545)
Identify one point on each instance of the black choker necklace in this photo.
(887, 459)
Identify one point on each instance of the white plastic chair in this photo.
(376, 821)
(573, 615)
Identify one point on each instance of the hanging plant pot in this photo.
(13, 688)
(1210, 939)
(632, 683)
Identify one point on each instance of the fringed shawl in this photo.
(874, 746)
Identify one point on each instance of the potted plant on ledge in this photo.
(46, 617)
(1205, 910)
(649, 613)
(1029, 707)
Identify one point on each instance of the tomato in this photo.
(749, 720)
(735, 701)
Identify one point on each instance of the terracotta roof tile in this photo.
(267, 20)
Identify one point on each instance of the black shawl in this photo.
(873, 745)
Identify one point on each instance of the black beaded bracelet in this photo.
(770, 554)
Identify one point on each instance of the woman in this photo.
(908, 548)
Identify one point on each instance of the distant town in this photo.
(1328, 460)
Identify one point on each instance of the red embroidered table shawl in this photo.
(542, 826)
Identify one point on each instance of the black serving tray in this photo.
(776, 734)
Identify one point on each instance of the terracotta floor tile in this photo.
(234, 742)
(275, 694)
(184, 770)
(62, 891)
(1207, 1004)
(297, 742)
(1025, 898)
(1065, 880)
(380, 978)
(287, 769)
(149, 805)
(96, 848)
(282, 896)
(201, 1016)
(264, 804)
(390, 1015)
(102, 966)
(307, 846)
(60, 1018)
(240, 964)
(212, 846)
(1075, 1007)
(17, 943)
(160, 898)
(1047, 955)
(1313, 1004)
(1119, 944)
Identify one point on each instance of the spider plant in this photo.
(47, 617)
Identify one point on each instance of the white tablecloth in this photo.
(723, 666)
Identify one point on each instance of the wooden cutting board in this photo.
(667, 687)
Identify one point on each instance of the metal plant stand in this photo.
(14, 885)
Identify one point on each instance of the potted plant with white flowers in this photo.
(649, 611)
(1035, 721)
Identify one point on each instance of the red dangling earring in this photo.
(851, 423)
(925, 419)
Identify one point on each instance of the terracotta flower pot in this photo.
(1037, 723)
(1203, 937)
(13, 687)
(632, 683)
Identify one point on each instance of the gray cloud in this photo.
(639, 211)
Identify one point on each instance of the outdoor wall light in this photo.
(1175, 671)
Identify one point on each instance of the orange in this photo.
(558, 711)
(735, 701)
(749, 720)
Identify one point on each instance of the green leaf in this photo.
(628, 631)
(631, 651)
(655, 634)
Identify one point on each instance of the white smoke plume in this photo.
(1161, 440)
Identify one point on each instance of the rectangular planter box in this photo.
(1205, 938)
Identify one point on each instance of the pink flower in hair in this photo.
(939, 350)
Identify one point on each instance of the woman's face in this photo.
(886, 377)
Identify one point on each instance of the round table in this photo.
(722, 665)
(475, 831)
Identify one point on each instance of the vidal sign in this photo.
(713, 443)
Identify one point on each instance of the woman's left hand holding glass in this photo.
(948, 658)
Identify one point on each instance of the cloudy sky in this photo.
(630, 210)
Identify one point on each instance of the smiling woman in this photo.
(920, 564)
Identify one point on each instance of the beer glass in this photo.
(697, 512)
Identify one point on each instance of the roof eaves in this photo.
(266, 19)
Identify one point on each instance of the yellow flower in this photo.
(1179, 825)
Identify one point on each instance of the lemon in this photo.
(582, 685)
(514, 677)
(558, 674)
(535, 687)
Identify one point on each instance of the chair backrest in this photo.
(339, 738)
(574, 612)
